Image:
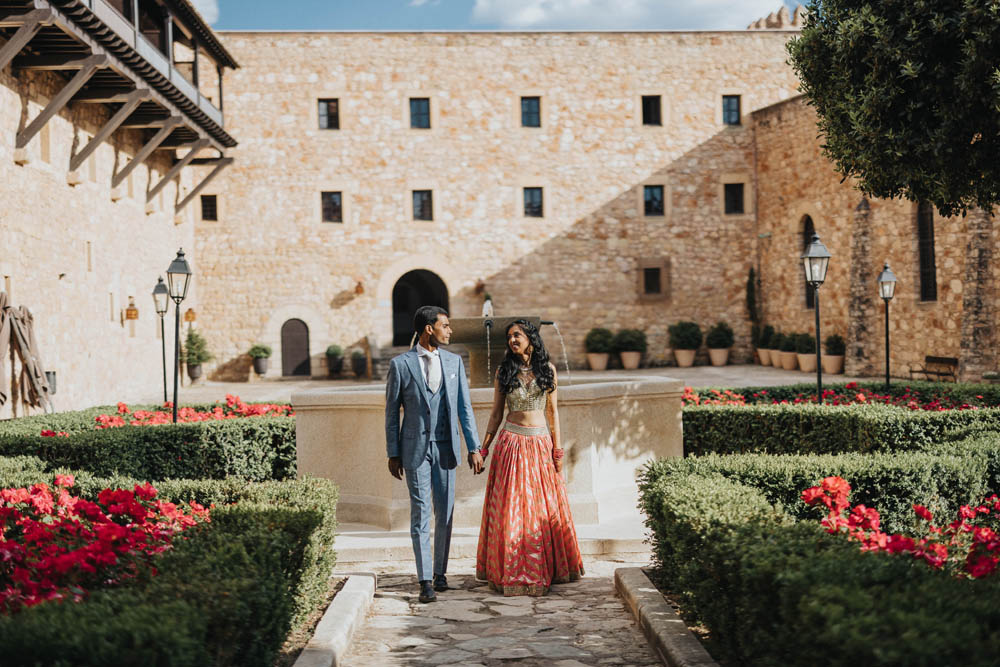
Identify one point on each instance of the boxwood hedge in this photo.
(227, 596)
(777, 591)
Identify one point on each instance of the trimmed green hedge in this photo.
(810, 428)
(774, 591)
(254, 448)
(227, 596)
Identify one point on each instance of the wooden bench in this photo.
(939, 367)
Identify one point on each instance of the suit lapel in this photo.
(413, 363)
(447, 370)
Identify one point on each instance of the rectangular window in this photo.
(925, 238)
(731, 109)
(209, 207)
(332, 209)
(651, 282)
(533, 202)
(734, 198)
(653, 199)
(420, 113)
(531, 112)
(329, 114)
(423, 205)
(651, 110)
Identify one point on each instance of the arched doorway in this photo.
(295, 348)
(414, 289)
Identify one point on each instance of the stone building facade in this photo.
(587, 261)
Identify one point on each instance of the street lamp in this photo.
(160, 297)
(886, 289)
(815, 260)
(178, 279)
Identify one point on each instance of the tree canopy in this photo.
(908, 96)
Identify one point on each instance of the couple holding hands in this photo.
(527, 540)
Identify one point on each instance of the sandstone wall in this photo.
(269, 258)
(74, 257)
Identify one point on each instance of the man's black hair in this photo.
(427, 316)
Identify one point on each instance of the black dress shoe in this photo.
(427, 593)
(440, 582)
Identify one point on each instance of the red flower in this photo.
(981, 565)
(923, 512)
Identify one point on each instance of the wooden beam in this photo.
(134, 99)
(176, 169)
(220, 164)
(147, 150)
(16, 20)
(104, 95)
(30, 24)
(61, 61)
(91, 65)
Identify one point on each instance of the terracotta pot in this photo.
(684, 358)
(260, 365)
(719, 356)
(598, 361)
(789, 360)
(765, 356)
(807, 363)
(630, 360)
(833, 364)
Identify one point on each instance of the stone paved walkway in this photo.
(579, 624)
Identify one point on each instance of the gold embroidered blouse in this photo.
(526, 398)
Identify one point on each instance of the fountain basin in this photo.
(610, 428)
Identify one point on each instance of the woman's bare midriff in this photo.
(528, 418)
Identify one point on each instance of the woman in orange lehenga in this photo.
(527, 541)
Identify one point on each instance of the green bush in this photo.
(790, 342)
(834, 345)
(253, 448)
(777, 340)
(334, 351)
(599, 341)
(195, 350)
(685, 336)
(228, 595)
(765, 337)
(260, 351)
(629, 340)
(720, 337)
(774, 591)
(805, 343)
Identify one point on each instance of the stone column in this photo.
(977, 354)
(862, 329)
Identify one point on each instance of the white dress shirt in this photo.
(431, 363)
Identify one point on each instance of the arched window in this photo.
(808, 230)
(925, 243)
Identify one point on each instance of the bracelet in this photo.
(557, 454)
(484, 451)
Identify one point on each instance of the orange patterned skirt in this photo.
(527, 540)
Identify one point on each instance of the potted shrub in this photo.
(764, 345)
(833, 357)
(630, 344)
(260, 354)
(719, 341)
(359, 363)
(788, 359)
(685, 339)
(805, 347)
(334, 359)
(598, 343)
(195, 353)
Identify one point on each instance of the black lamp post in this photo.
(178, 279)
(886, 289)
(161, 295)
(815, 260)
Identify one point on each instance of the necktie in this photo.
(433, 377)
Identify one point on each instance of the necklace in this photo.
(525, 369)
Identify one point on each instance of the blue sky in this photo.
(484, 14)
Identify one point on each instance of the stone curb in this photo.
(342, 618)
(665, 630)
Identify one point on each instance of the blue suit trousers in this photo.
(430, 484)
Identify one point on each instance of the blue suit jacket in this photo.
(406, 388)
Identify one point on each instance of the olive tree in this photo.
(908, 96)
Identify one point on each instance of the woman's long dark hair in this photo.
(507, 373)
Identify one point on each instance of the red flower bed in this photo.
(56, 546)
(967, 546)
(233, 409)
(851, 394)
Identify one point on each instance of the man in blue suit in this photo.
(429, 384)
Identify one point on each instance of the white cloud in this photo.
(623, 14)
(209, 9)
